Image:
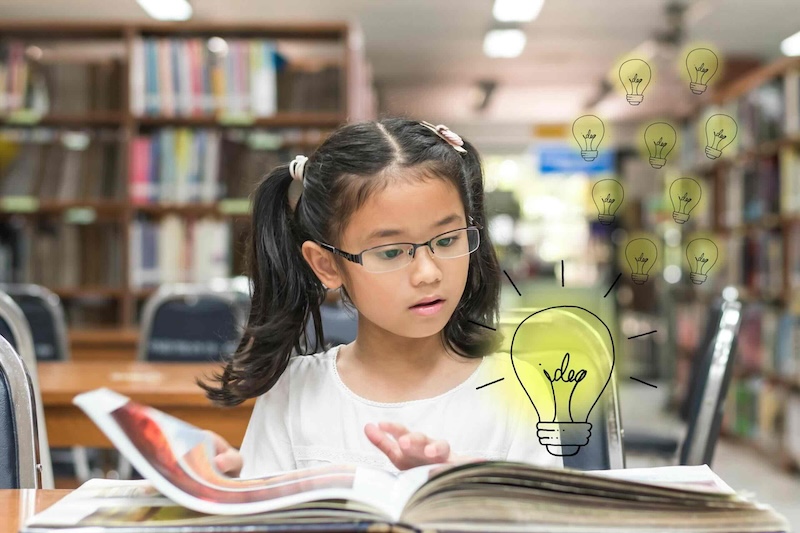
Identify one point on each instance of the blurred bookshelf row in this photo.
(119, 140)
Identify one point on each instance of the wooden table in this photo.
(169, 387)
(16, 506)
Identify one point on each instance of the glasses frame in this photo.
(357, 258)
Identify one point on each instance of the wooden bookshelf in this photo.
(755, 212)
(286, 129)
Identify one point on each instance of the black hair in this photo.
(353, 163)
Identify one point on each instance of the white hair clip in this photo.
(444, 132)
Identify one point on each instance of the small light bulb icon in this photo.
(607, 196)
(685, 193)
(702, 254)
(563, 358)
(641, 255)
(635, 76)
(660, 138)
(588, 131)
(721, 130)
(702, 64)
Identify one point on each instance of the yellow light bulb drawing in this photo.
(607, 196)
(641, 255)
(660, 138)
(588, 131)
(721, 130)
(702, 64)
(635, 76)
(702, 254)
(563, 358)
(685, 193)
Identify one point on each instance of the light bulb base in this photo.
(698, 88)
(680, 218)
(589, 155)
(657, 162)
(606, 219)
(697, 279)
(712, 153)
(563, 439)
(639, 279)
(635, 99)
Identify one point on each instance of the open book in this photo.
(182, 488)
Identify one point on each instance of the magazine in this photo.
(183, 489)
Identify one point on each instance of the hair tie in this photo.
(452, 138)
(297, 167)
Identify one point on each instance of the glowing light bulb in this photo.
(702, 64)
(635, 76)
(641, 255)
(563, 358)
(660, 138)
(685, 193)
(607, 196)
(588, 131)
(721, 130)
(702, 254)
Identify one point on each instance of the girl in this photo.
(407, 391)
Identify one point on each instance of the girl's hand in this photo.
(228, 459)
(406, 449)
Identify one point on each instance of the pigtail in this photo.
(285, 292)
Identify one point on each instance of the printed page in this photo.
(177, 458)
(700, 478)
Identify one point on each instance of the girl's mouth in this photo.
(428, 308)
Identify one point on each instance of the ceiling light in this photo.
(516, 10)
(791, 45)
(504, 43)
(167, 9)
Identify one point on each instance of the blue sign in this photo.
(565, 159)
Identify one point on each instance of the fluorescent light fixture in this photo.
(167, 9)
(516, 10)
(791, 45)
(504, 43)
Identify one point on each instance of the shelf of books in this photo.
(755, 191)
(128, 151)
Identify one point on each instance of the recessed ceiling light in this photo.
(516, 10)
(791, 45)
(167, 9)
(504, 43)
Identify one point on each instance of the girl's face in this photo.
(417, 212)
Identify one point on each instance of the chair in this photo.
(553, 333)
(710, 378)
(339, 325)
(191, 322)
(20, 465)
(16, 331)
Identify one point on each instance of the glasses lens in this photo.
(456, 243)
(387, 258)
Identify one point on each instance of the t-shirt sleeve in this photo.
(267, 447)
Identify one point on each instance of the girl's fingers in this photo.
(414, 441)
(385, 444)
(396, 430)
(229, 462)
(438, 449)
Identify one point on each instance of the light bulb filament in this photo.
(701, 259)
(640, 262)
(635, 81)
(589, 138)
(719, 137)
(564, 374)
(607, 201)
(701, 72)
(685, 198)
(659, 147)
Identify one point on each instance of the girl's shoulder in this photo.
(317, 363)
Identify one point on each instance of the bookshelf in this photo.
(755, 219)
(118, 140)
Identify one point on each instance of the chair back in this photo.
(339, 325)
(45, 314)
(20, 466)
(715, 376)
(191, 322)
(16, 331)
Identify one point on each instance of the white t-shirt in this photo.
(310, 418)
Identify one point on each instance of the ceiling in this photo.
(427, 54)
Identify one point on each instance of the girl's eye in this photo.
(447, 241)
(391, 254)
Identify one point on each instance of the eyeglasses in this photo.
(389, 257)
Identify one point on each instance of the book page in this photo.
(177, 458)
(699, 478)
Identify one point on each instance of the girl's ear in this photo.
(321, 262)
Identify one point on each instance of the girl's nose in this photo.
(424, 265)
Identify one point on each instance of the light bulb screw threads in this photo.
(712, 153)
(698, 88)
(639, 279)
(589, 155)
(606, 219)
(680, 218)
(697, 279)
(635, 99)
(563, 439)
(657, 162)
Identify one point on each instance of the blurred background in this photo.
(133, 131)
